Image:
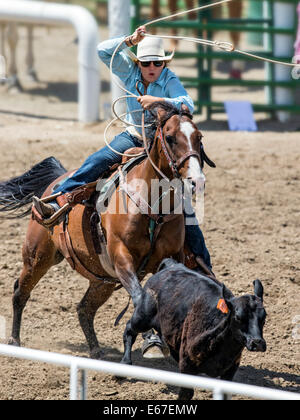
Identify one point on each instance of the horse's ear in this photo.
(161, 114)
(185, 109)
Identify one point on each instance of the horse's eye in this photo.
(170, 140)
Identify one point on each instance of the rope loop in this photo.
(226, 46)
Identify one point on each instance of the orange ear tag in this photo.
(222, 306)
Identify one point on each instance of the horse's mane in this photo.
(169, 109)
(153, 120)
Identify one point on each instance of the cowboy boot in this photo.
(46, 210)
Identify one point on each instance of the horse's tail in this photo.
(17, 192)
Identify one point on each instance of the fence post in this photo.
(73, 381)
(83, 390)
(284, 17)
(219, 395)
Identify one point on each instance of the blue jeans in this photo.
(101, 160)
(195, 241)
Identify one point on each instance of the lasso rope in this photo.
(225, 46)
(208, 6)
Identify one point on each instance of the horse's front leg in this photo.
(125, 270)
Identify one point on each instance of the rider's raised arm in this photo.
(122, 63)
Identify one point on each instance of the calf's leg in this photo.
(185, 394)
(129, 338)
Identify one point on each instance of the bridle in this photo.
(175, 164)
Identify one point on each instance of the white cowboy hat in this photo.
(151, 49)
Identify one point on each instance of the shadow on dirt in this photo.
(246, 374)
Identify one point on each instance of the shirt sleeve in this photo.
(122, 63)
(177, 95)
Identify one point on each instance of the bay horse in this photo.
(177, 141)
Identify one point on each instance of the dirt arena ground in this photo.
(252, 225)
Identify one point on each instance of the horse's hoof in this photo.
(96, 354)
(13, 342)
(126, 362)
(122, 378)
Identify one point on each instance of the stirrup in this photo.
(52, 220)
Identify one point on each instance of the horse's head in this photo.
(181, 143)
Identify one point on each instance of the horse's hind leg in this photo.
(96, 295)
(38, 256)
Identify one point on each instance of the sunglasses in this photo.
(147, 63)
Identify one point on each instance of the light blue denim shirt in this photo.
(167, 86)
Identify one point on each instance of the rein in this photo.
(173, 163)
(176, 164)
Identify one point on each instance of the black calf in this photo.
(204, 325)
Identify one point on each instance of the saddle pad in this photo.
(110, 185)
(240, 116)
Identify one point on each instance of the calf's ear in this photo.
(227, 298)
(258, 289)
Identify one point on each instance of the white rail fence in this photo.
(39, 12)
(220, 389)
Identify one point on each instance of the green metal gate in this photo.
(205, 26)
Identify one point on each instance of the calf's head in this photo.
(248, 319)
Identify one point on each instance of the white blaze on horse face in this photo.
(194, 170)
